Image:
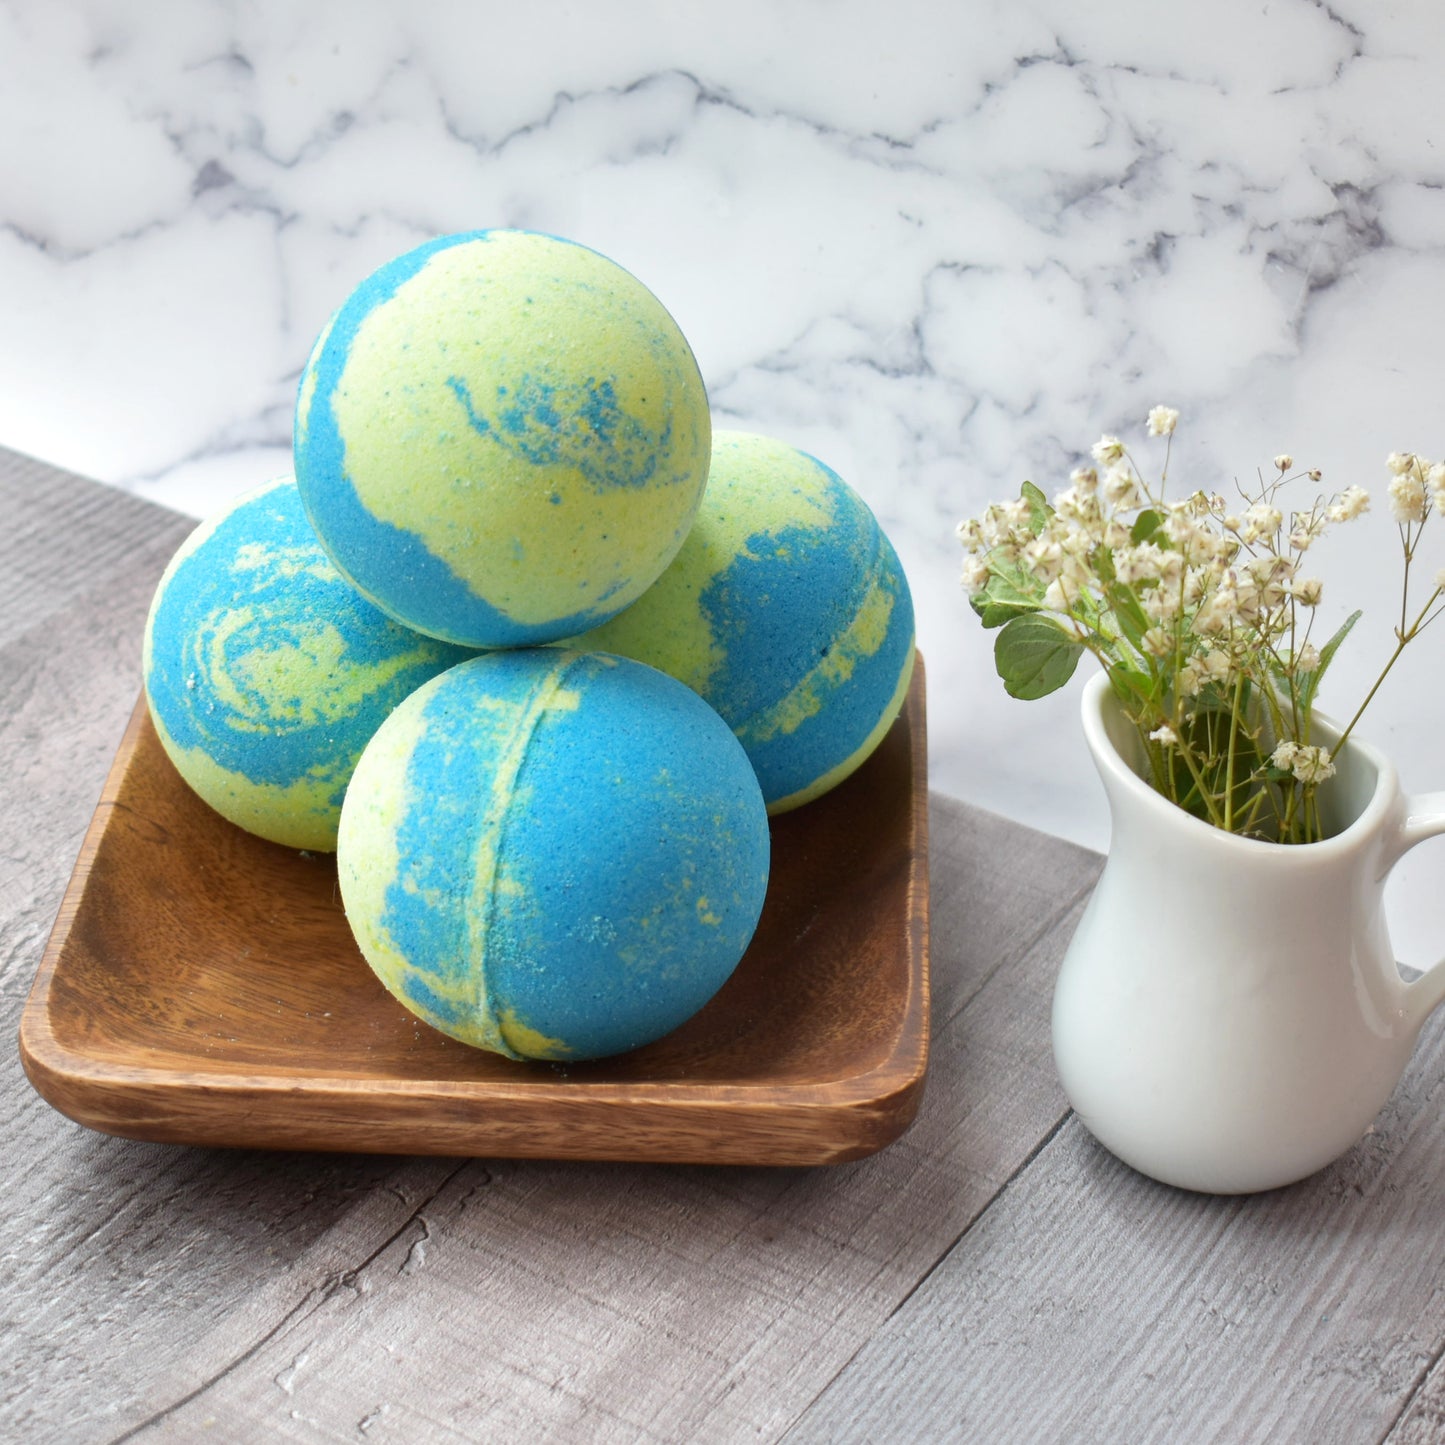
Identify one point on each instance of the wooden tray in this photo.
(201, 986)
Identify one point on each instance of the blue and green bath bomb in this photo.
(502, 438)
(553, 854)
(266, 672)
(788, 611)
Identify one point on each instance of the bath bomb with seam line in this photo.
(501, 438)
(787, 610)
(553, 854)
(266, 673)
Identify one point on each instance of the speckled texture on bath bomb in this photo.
(502, 438)
(553, 854)
(266, 673)
(787, 609)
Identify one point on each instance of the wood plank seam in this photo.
(306, 1306)
(1227, 1216)
(1417, 1390)
(927, 1274)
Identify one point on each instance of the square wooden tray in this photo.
(201, 986)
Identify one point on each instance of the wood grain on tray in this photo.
(201, 986)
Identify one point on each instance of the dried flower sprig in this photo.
(1201, 614)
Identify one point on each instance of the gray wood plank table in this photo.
(994, 1275)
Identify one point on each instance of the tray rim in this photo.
(871, 1108)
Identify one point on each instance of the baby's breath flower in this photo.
(1045, 556)
(1158, 643)
(1262, 520)
(975, 575)
(1059, 595)
(1223, 606)
(1314, 474)
(1285, 754)
(1312, 765)
(992, 528)
(1190, 679)
(1407, 498)
(1077, 506)
(1162, 420)
(1138, 564)
(1197, 581)
(1163, 603)
(1180, 527)
(970, 533)
(1436, 479)
(1217, 612)
(1305, 530)
(1215, 663)
(1351, 503)
(1107, 450)
(1121, 488)
(1272, 576)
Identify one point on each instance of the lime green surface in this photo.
(854, 760)
(464, 410)
(380, 799)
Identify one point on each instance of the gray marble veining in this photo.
(941, 246)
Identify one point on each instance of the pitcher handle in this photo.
(1424, 817)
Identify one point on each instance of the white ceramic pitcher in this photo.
(1229, 1016)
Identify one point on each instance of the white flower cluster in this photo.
(1416, 485)
(1207, 581)
(1200, 612)
(1308, 763)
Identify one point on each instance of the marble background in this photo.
(941, 245)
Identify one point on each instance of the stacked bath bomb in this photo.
(788, 611)
(549, 851)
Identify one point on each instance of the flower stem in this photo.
(1229, 761)
(1403, 639)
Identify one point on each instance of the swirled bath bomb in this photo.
(788, 610)
(553, 854)
(501, 438)
(266, 673)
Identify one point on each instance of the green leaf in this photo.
(1132, 620)
(1034, 656)
(1131, 686)
(1327, 654)
(1010, 592)
(1145, 526)
(1039, 509)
